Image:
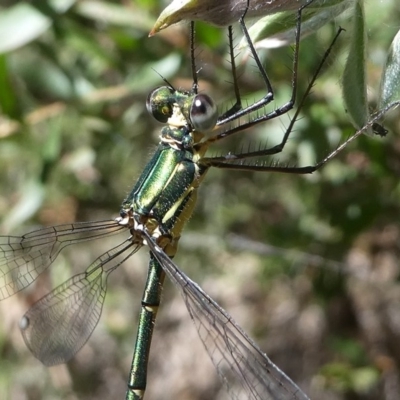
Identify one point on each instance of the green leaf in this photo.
(226, 12)
(279, 29)
(354, 75)
(20, 25)
(23, 23)
(30, 200)
(8, 101)
(114, 14)
(390, 83)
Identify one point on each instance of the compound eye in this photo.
(203, 113)
(159, 103)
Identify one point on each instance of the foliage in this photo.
(75, 134)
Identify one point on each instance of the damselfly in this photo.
(154, 213)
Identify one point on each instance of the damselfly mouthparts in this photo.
(154, 213)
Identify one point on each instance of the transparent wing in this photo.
(245, 370)
(57, 326)
(24, 258)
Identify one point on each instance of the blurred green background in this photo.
(308, 265)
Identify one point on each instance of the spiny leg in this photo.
(309, 169)
(226, 161)
(238, 104)
(237, 111)
(195, 85)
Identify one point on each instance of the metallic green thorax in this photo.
(164, 196)
(163, 200)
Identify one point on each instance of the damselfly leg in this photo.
(237, 110)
